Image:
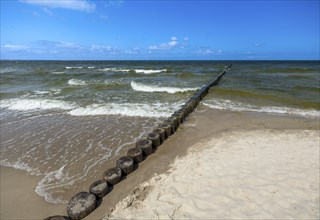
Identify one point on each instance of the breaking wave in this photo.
(76, 82)
(35, 104)
(152, 88)
(142, 71)
(155, 110)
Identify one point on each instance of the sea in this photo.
(68, 121)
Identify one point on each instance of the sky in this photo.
(160, 30)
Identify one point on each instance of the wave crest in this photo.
(76, 82)
(73, 67)
(152, 88)
(155, 110)
(35, 104)
(142, 71)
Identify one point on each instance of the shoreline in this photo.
(201, 125)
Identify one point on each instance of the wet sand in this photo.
(18, 198)
(19, 201)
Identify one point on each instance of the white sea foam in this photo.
(142, 71)
(114, 70)
(8, 69)
(73, 67)
(242, 107)
(18, 165)
(91, 67)
(36, 104)
(155, 110)
(58, 73)
(51, 179)
(43, 92)
(76, 82)
(152, 88)
(113, 82)
(149, 71)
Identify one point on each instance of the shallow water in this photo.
(65, 119)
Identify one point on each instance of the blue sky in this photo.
(157, 30)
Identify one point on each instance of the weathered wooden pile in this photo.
(83, 203)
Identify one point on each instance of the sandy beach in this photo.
(259, 166)
(261, 174)
(118, 110)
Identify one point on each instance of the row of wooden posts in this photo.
(83, 203)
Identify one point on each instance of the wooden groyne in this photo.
(83, 203)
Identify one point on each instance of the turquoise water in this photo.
(64, 119)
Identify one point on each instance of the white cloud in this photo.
(80, 5)
(172, 43)
(104, 49)
(67, 45)
(165, 46)
(209, 52)
(258, 44)
(114, 3)
(16, 48)
(154, 47)
(135, 50)
(174, 38)
(186, 38)
(46, 10)
(45, 47)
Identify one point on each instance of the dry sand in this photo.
(259, 174)
(19, 200)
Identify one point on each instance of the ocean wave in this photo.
(58, 72)
(44, 92)
(149, 71)
(114, 70)
(224, 104)
(142, 71)
(112, 82)
(35, 104)
(155, 110)
(152, 88)
(73, 67)
(76, 82)
(8, 70)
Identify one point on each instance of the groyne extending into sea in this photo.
(83, 203)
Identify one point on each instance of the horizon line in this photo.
(160, 60)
